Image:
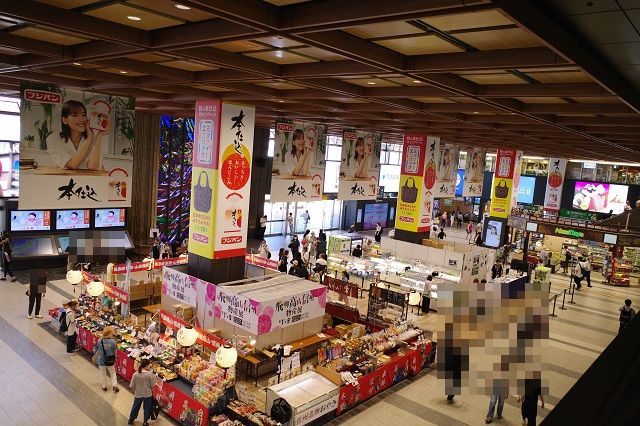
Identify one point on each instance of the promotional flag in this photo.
(474, 172)
(503, 192)
(555, 182)
(447, 168)
(360, 165)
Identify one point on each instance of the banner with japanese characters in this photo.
(360, 165)
(446, 171)
(414, 149)
(221, 179)
(502, 193)
(298, 161)
(474, 172)
(555, 182)
(76, 148)
(429, 183)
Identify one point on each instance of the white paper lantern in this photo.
(95, 288)
(74, 277)
(187, 335)
(226, 356)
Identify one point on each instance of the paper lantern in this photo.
(187, 335)
(95, 288)
(226, 356)
(74, 277)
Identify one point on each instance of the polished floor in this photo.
(41, 384)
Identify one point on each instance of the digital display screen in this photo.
(599, 197)
(374, 213)
(30, 220)
(525, 189)
(32, 246)
(108, 218)
(390, 177)
(476, 200)
(459, 182)
(73, 219)
(610, 239)
(493, 233)
(63, 242)
(532, 227)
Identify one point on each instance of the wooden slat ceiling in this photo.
(464, 70)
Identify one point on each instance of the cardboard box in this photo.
(184, 312)
(157, 288)
(148, 289)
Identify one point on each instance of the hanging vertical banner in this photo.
(515, 180)
(298, 161)
(502, 191)
(447, 168)
(221, 175)
(360, 165)
(555, 182)
(413, 155)
(474, 172)
(428, 183)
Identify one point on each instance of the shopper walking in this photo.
(7, 256)
(378, 234)
(577, 275)
(469, 231)
(37, 289)
(283, 260)
(585, 266)
(307, 218)
(263, 250)
(626, 313)
(529, 409)
(443, 220)
(459, 218)
(142, 384)
(497, 400)
(105, 356)
(441, 234)
(155, 246)
(357, 252)
(290, 224)
(71, 330)
(567, 259)
(263, 227)
(305, 256)
(294, 245)
(321, 266)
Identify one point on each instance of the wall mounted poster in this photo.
(447, 168)
(555, 182)
(474, 172)
(76, 148)
(411, 177)
(298, 161)
(360, 166)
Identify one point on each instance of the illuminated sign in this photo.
(569, 232)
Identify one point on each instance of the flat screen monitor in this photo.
(610, 239)
(599, 197)
(63, 243)
(493, 233)
(374, 213)
(526, 187)
(73, 219)
(390, 177)
(24, 247)
(30, 220)
(109, 218)
(476, 200)
(532, 227)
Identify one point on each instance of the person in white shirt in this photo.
(305, 255)
(72, 331)
(263, 225)
(263, 250)
(578, 275)
(290, 223)
(585, 266)
(306, 217)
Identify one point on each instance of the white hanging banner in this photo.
(447, 170)
(474, 172)
(555, 182)
(360, 165)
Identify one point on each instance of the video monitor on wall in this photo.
(109, 218)
(30, 220)
(526, 187)
(493, 233)
(375, 213)
(73, 219)
(390, 177)
(599, 197)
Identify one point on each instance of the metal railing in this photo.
(570, 290)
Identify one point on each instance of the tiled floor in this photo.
(41, 384)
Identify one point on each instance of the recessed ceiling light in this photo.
(281, 101)
(134, 18)
(77, 63)
(371, 82)
(476, 112)
(123, 72)
(417, 81)
(182, 7)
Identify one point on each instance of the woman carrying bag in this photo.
(105, 357)
(142, 384)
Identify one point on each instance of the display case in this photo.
(620, 271)
(633, 254)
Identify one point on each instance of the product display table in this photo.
(151, 309)
(176, 399)
(125, 365)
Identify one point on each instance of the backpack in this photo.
(64, 327)
(109, 359)
(281, 411)
(626, 315)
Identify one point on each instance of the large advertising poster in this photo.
(599, 197)
(298, 161)
(429, 183)
(555, 182)
(474, 172)
(448, 156)
(76, 148)
(502, 191)
(221, 179)
(413, 162)
(360, 165)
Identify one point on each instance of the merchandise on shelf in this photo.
(620, 271)
(211, 383)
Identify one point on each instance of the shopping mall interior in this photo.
(319, 212)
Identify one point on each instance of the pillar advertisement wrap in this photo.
(446, 171)
(411, 176)
(298, 161)
(221, 179)
(555, 182)
(360, 165)
(474, 172)
(503, 185)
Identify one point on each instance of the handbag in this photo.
(202, 194)
(409, 194)
(155, 409)
(109, 360)
(502, 191)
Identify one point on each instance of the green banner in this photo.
(573, 214)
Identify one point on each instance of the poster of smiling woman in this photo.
(298, 161)
(76, 148)
(360, 165)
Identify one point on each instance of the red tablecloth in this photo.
(179, 405)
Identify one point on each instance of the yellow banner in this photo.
(501, 197)
(408, 209)
(202, 219)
